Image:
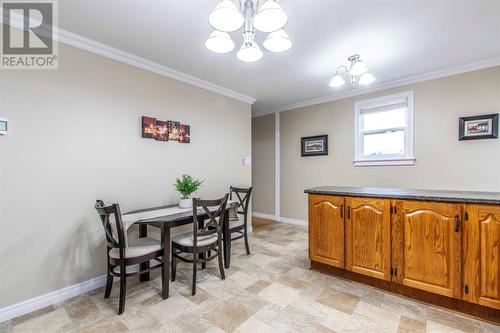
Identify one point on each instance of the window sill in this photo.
(385, 162)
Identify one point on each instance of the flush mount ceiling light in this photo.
(358, 73)
(267, 17)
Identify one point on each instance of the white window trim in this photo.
(409, 158)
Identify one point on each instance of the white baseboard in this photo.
(281, 219)
(288, 220)
(54, 297)
(264, 216)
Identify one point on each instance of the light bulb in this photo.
(226, 17)
(278, 41)
(337, 81)
(219, 42)
(270, 17)
(366, 78)
(249, 53)
(358, 68)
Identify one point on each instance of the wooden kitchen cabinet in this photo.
(368, 236)
(326, 229)
(427, 246)
(481, 248)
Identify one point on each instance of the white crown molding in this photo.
(51, 298)
(107, 51)
(483, 64)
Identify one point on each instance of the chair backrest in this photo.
(243, 196)
(215, 210)
(115, 234)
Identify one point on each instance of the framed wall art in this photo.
(314, 145)
(478, 127)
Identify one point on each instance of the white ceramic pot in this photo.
(186, 203)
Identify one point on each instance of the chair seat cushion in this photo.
(137, 248)
(235, 223)
(186, 239)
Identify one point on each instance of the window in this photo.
(384, 131)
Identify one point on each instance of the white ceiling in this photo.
(397, 38)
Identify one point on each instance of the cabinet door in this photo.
(368, 237)
(481, 248)
(431, 246)
(326, 229)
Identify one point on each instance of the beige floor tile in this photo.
(361, 323)
(453, 320)
(408, 325)
(257, 286)
(433, 327)
(377, 313)
(406, 307)
(254, 325)
(279, 294)
(338, 300)
(49, 322)
(335, 320)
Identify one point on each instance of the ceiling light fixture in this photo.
(251, 15)
(357, 71)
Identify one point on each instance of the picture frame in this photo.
(478, 127)
(314, 145)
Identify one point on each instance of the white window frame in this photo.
(409, 157)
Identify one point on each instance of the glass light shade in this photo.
(278, 41)
(270, 17)
(358, 68)
(366, 78)
(337, 81)
(250, 53)
(219, 42)
(226, 17)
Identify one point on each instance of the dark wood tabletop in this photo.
(165, 223)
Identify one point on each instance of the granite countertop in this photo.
(398, 193)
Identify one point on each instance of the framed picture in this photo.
(478, 127)
(161, 130)
(173, 130)
(314, 145)
(184, 133)
(149, 127)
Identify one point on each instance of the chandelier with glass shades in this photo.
(358, 73)
(267, 17)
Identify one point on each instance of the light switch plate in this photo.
(246, 160)
(3, 126)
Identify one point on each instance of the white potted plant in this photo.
(186, 185)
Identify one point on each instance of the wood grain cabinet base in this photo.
(446, 249)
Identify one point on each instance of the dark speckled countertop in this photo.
(398, 193)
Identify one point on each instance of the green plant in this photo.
(187, 185)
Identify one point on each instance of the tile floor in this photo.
(270, 291)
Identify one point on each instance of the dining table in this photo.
(167, 217)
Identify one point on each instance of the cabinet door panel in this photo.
(368, 237)
(326, 229)
(481, 255)
(432, 247)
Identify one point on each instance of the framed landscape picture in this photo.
(149, 127)
(478, 127)
(314, 145)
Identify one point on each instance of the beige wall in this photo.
(263, 153)
(75, 137)
(443, 162)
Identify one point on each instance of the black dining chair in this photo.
(238, 218)
(122, 254)
(192, 247)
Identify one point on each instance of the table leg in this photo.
(165, 271)
(227, 240)
(143, 232)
